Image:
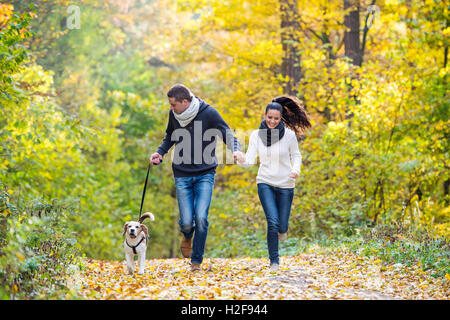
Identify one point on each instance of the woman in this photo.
(275, 142)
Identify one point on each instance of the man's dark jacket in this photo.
(197, 154)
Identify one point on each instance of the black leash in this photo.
(145, 187)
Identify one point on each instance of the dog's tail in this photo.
(147, 215)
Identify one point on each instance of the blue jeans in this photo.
(194, 197)
(276, 203)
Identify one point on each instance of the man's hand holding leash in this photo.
(156, 158)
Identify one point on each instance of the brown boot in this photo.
(282, 236)
(186, 247)
(195, 267)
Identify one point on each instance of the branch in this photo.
(366, 30)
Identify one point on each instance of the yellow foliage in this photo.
(6, 11)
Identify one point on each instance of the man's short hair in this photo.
(179, 92)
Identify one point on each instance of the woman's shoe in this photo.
(195, 267)
(282, 236)
(274, 267)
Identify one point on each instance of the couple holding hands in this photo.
(193, 127)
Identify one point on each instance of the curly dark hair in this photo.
(292, 112)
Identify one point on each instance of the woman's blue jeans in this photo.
(276, 203)
(194, 197)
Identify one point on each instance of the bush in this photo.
(37, 250)
(393, 244)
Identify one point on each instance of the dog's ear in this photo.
(144, 228)
(125, 228)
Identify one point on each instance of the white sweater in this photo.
(277, 161)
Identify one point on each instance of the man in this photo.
(193, 127)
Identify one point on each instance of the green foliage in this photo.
(252, 245)
(12, 52)
(407, 247)
(38, 250)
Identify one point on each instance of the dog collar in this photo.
(134, 247)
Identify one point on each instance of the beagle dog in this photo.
(136, 238)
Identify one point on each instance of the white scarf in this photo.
(189, 114)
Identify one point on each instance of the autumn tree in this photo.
(291, 60)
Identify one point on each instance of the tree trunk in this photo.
(446, 190)
(446, 182)
(290, 66)
(351, 35)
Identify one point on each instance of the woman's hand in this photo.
(293, 175)
(239, 156)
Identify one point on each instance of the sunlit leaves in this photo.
(312, 275)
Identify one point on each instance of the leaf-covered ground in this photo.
(312, 275)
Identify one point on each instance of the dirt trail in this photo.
(312, 275)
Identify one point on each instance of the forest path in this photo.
(312, 275)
